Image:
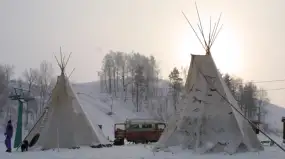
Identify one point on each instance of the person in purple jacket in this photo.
(9, 135)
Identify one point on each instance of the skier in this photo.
(9, 135)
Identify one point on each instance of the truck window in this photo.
(147, 126)
(134, 126)
(160, 126)
(120, 127)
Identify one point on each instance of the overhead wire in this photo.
(274, 89)
(236, 109)
(268, 81)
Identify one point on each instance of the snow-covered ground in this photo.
(274, 116)
(97, 106)
(136, 152)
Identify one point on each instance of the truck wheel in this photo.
(122, 142)
(119, 142)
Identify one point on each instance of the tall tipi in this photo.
(64, 124)
(210, 120)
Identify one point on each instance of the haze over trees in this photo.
(133, 76)
(36, 82)
(250, 98)
(130, 77)
(130, 73)
(176, 86)
(6, 72)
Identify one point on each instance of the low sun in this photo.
(226, 50)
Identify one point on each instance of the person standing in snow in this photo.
(9, 135)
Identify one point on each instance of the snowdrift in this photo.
(273, 118)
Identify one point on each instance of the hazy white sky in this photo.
(250, 44)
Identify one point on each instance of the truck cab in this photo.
(138, 131)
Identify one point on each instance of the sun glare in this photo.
(188, 45)
(226, 51)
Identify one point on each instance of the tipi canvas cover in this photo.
(64, 124)
(208, 121)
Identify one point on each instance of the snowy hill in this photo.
(89, 94)
(273, 117)
(97, 107)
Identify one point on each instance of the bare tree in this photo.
(3, 89)
(184, 73)
(20, 83)
(9, 71)
(30, 77)
(139, 83)
(6, 72)
(108, 64)
(175, 85)
(263, 100)
(45, 83)
(101, 76)
(119, 71)
(120, 62)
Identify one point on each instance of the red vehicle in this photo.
(138, 131)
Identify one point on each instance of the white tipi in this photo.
(210, 120)
(64, 124)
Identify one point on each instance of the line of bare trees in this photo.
(40, 82)
(6, 72)
(250, 97)
(129, 73)
(36, 82)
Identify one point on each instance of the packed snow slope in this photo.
(273, 118)
(98, 107)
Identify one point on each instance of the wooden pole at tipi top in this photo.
(213, 33)
(62, 63)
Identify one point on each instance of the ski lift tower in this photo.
(21, 96)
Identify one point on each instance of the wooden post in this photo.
(283, 120)
(137, 96)
(57, 131)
